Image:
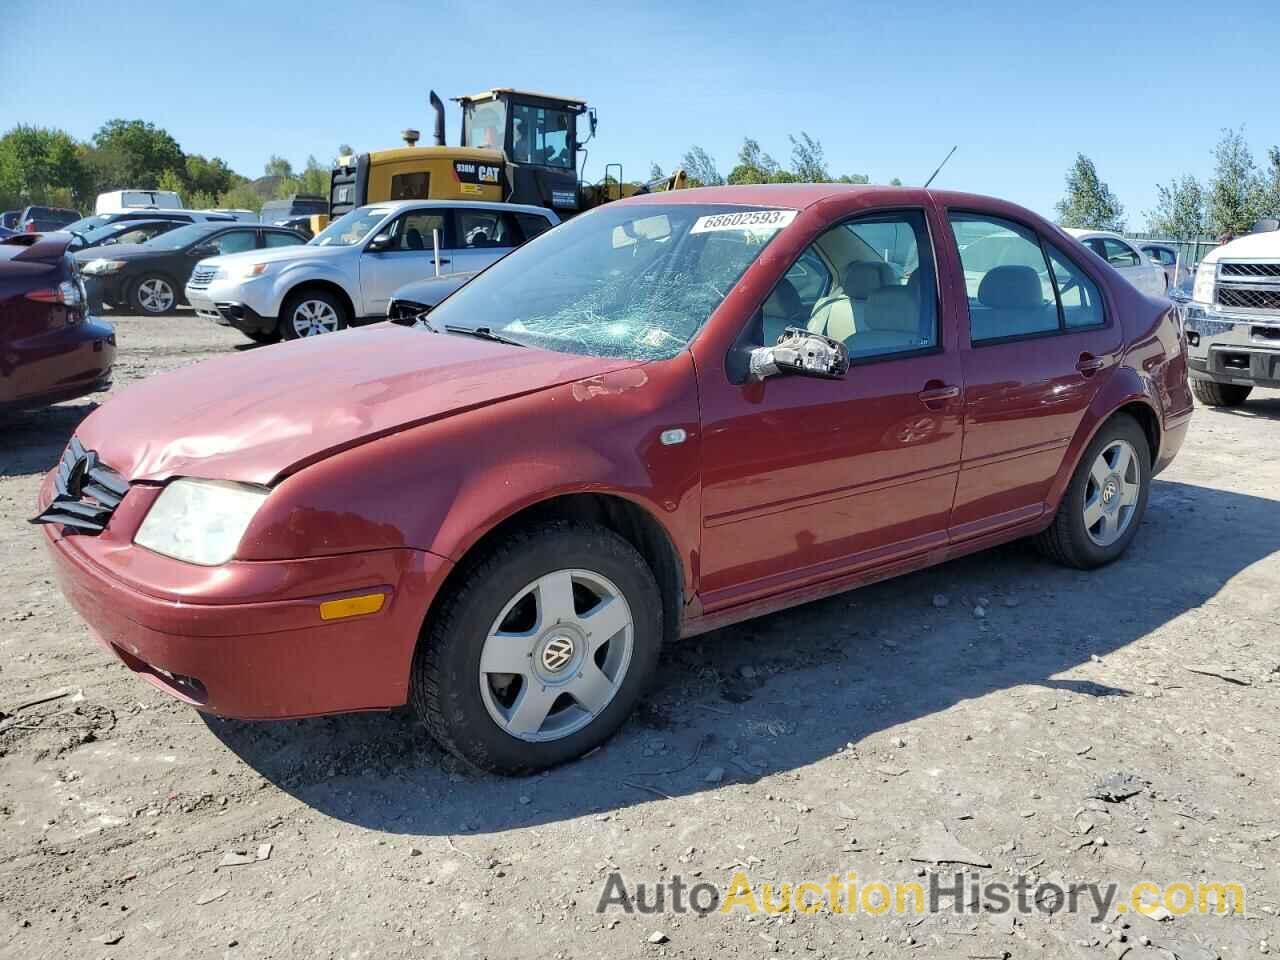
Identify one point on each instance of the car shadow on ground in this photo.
(31, 442)
(1263, 409)
(781, 692)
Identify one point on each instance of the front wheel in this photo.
(312, 313)
(153, 296)
(1105, 501)
(1213, 394)
(542, 652)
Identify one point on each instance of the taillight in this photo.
(31, 227)
(66, 293)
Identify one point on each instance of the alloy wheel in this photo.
(1112, 492)
(155, 296)
(556, 655)
(311, 318)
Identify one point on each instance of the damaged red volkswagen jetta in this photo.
(669, 414)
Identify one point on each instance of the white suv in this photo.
(349, 271)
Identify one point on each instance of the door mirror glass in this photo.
(205, 250)
(801, 353)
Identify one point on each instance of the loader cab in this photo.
(538, 135)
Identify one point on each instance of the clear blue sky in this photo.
(1142, 88)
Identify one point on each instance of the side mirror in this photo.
(801, 353)
(205, 250)
(380, 243)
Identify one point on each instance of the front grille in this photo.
(1249, 286)
(1250, 270)
(1249, 299)
(86, 491)
(201, 277)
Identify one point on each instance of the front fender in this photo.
(444, 485)
(297, 274)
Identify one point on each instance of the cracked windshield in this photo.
(634, 282)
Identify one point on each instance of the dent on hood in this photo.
(610, 383)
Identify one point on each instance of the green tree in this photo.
(1268, 203)
(41, 165)
(754, 165)
(314, 178)
(808, 162)
(209, 176)
(240, 197)
(1089, 202)
(1180, 212)
(171, 180)
(895, 182)
(345, 150)
(278, 166)
(858, 178)
(1235, 189)
(701, 168)
(133, 153)
(655, 171)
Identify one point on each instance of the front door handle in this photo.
(934, 397)
(1089, 364)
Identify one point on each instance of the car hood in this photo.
(262, 415)
(300, 251)
(433, 289)
(1251, 246)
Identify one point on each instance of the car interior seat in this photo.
(413, 239)
(1011, 302)
(837, 315)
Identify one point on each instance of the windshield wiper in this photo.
(484, 333)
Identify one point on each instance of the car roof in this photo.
(395, 206)
(1080, 233)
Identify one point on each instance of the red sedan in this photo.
(51, 349)
(670, 414)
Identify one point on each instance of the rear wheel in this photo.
(311, 314)
(1220, 394)
(153, 296)
(1104, 503)
(542, 651)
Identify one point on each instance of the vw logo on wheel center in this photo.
(557, 653)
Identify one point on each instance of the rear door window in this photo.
(1119, 254)
(274, 239)
(485, 229)
(1010, 290)
(236, 241)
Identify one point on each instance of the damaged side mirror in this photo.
(801, 353)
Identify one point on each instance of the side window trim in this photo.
(1044, 252)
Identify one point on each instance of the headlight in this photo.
(94, 267)
(200, 521)
(254, 270)
(1202, 291)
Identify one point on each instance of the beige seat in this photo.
(890, 322)
(836, 315)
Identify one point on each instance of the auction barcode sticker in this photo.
(753, 220)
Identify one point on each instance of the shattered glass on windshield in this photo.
(635, 282)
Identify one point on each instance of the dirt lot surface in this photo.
(860, 734)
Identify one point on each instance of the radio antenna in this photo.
(940, 166)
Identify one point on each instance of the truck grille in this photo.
(86, 491)
(1249, 286)
(201, 277)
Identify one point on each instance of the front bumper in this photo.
(1232, 348)
(246, 639)
(229, 303)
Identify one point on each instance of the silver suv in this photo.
(349, 271)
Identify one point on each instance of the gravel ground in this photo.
(838, 737)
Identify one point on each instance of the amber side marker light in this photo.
(352, 606)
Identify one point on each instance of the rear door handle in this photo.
(1089, 364)
(935, 397)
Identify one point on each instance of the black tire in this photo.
(288, 327)
(445, 681)
(263, 336)
(1067, 541)
(142, 298)
(1213, 394)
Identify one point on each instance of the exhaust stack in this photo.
(438, 105)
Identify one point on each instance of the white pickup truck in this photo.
(1232, 320)
(348, 272)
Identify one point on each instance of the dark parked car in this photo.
(674, 413)
(277, 212)
(149, 278)
(126, 232)
(44, 219)
(98, 220)
(50, 348)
